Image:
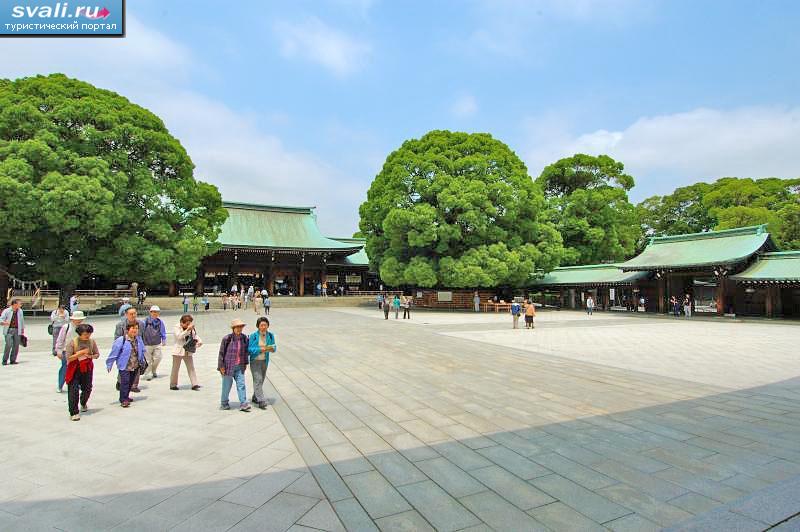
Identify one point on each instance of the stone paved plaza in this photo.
(451, 421)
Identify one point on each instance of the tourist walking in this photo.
(325, 289)
(386, 306)
(186, 344)
(74, 303)
(406, 304)
(206, 304)
(121, 330)
(589, 305)
(258, 303)
(530, 314)
(155, 337)
(224, 301)
(476, 302)
(687, 306)
(127, 352)
(675, 306)
(12, 320)
(185, 303)
(379, 299)
(195, 302)
(516, 311)
(80, 354)
(232, 363)
(260, 344)
(59, 319)
(267, 304)
(396, 306)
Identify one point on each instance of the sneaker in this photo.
(155, 375)
(125, 404)
(136, 390)
(225, 406)
(59, 390)
(148, 378)
(245, 407)
(173, 387)
(14, 363)
(76, 417)
(84, 408)
(196, 387)
(262, 406)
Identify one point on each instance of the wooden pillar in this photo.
(720, 296)
(301, 280)
(173, 289)
(662, 304)
(199, 283)
(769, 302)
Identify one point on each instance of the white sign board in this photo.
(445, 297)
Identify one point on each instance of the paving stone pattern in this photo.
(386, 425)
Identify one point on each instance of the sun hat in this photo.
(125, 299)
(155, 308)
(237, 323)
(77, 315)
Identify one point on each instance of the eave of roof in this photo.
(590, 275)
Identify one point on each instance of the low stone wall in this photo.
(460, 299)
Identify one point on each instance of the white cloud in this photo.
(229, 148)
(666, 151)
(315, 41)
(464, 106)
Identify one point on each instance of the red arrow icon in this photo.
(103, 13)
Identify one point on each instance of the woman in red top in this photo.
(80, 353)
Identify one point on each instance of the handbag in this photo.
(23, 340)
(50, 329)
(190, 345)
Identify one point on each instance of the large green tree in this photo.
(457, 210)
(588, 198)
(727, 203)
(92, 184)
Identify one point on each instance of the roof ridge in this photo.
(587, 266)
(264, 207)
(737, 231)
(792, 253)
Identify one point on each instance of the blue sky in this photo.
(300, 102)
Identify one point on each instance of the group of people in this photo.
(675, 305)
(386, 302)
(235, 301)
(526, 308)
(137, 351)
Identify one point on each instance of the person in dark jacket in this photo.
(232, 364)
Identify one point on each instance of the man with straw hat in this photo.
(232, 363)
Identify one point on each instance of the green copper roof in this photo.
(276, 227)
(595, 274)
(777, 266)
(356, 259)
(701, 249)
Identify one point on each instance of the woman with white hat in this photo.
(66, 335)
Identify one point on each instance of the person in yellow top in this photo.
(530, 314)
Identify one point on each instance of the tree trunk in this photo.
(65, 292)
(4, 280)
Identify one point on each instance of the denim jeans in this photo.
(227, 383)
(62, 371)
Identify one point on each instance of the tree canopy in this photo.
(589, 205)
(92, 184)
(457, 210)
(725, 204)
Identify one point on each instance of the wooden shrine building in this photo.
(282, 249)
(735, 271)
